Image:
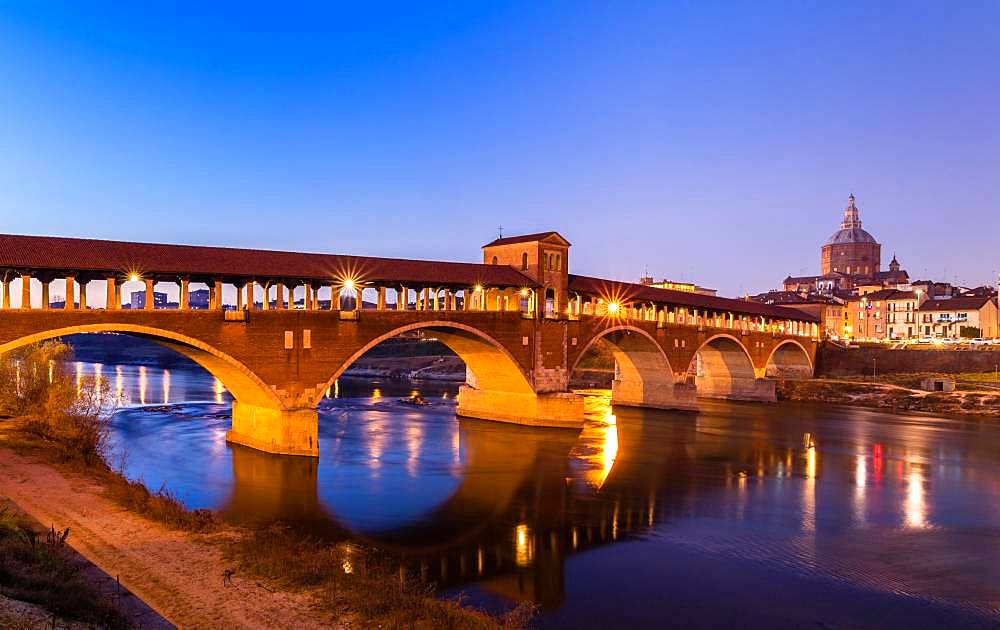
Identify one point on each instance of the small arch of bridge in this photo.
(789, 359)
(491, 365)
(723, 367)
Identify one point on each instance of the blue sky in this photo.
(714, 142)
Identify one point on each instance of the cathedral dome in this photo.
(850, 230)
(850, 235)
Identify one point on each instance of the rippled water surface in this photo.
(785, 515)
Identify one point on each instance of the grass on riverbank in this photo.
(37, 567)
(356, 583)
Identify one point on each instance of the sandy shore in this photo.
(177, 574)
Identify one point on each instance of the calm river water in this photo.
(783, 515)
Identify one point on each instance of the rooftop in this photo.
(527, 238)
(631, 292)
(100, 257)
(956, 303)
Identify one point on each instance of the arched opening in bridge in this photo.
(721, 368)
(789, 360)
(631, 362)
(496, 385)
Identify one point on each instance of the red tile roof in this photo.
(630, 292)
(956, 303)
(526, 238)
(58, 254)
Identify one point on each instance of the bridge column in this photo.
(402, 297)
(265, 303)
(113, 300)
(561, 409)
(381, 299)
(45, 294)
(150, 300)
(70, 291)
(83, 293)
(279, 296)
(435, 303)
(278, 431)
(184, 294)
(359, 303)
(25, 291)
(239, 296)
(6, 293)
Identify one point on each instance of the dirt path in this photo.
(177, 574)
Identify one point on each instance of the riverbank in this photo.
(180, 575)
(899, 394)
(224, 575)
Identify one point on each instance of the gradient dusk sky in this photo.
(713, 142)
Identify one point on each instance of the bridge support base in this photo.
(276, 431)
(679, 396)
(563, 410)
(751, 389)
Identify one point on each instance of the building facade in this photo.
(959, 317)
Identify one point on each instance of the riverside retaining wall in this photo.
(835, 361)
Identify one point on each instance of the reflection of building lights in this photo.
(860, 472)
(414, 446)
(166, 387)
(219, 388)
(79, 378)
(915, 509)
(576, 540)
(480, 560)
(376, 394)
(119, 384)
(522, 546)
(142, 384)
(346, 566)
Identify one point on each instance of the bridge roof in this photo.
(100, 257)
(631, 292)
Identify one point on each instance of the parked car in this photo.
(979, 342)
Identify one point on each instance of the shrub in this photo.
(72, 413)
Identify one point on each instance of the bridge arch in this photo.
(489, 364)
(789, 359)
(722, 368)
(245, 386)
(643, 375)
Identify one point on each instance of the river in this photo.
(781, 515)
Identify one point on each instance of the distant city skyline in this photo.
(707, 143)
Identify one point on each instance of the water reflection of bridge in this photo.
(529, 499)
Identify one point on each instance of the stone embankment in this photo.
(979, 402)
(835, 361)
